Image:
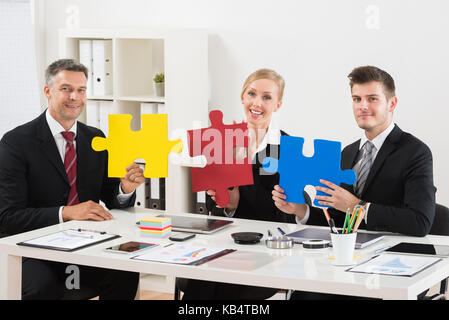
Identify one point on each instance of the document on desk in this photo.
(69, 240)
(183, 254)
(395, 265)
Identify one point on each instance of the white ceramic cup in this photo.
(343, 246)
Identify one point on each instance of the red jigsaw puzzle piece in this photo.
(217, 143)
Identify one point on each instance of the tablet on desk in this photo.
(420, 249)
(197, 225)
(363, 239)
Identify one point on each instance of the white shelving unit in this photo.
(137, 55)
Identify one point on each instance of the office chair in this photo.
(440, 227)
(440, 224)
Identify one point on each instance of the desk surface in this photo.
(295, 268)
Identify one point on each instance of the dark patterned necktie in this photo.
(365, 166)
(70, 167)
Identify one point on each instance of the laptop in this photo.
(196, 225)
(363, 239)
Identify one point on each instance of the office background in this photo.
(313, 44)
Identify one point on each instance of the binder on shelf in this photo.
(156, 187)
(157, 194)
(105, 108)
(93, 113)
(140, 193)
(161, 108)
(148, 108)
(200, 206)
(85, 52)
(147, 192)
(102, 67)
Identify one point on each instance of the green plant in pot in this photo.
(159, 80)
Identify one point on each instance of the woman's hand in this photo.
(234, 198)
(288, 207)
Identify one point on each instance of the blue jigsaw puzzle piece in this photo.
(297, 171)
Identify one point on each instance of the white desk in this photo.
(295, 268)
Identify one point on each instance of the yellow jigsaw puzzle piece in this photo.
(150, 143)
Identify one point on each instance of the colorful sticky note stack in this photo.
(156, 227)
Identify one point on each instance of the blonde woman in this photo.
(261, 96)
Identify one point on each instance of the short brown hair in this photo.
(61, 65)
(365, 74)
(265, 74)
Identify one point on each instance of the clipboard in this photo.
(69, 240)
(183, 254)
(213, 257)
(395, 265)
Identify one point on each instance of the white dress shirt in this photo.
(56, 129)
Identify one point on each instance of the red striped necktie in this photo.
(70, 167)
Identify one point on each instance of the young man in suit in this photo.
(394, 169)
(49, 174)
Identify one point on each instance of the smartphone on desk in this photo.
(130, 247)
(181, 236)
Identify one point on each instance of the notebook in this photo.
(363, 239)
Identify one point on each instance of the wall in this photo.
(18, 92)
(313, 44)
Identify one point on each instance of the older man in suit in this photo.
(49, 174)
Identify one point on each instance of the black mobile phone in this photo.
(181, 236)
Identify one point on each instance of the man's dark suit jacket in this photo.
(399, 187)
(33, 181)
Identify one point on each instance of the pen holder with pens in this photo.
(343, 246)
(344, 241)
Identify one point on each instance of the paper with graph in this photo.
(395, 265)
(181, 254)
